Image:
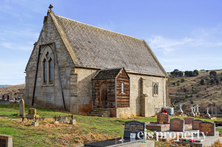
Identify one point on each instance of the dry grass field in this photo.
(12, 89)
(191, 92)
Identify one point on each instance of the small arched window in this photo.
(122, 88)
(48, 67)
(155, 89)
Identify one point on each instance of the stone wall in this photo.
(82, 103)
(142, 100)
(49, 96)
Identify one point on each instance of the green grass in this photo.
(27, 135)
(24, 134)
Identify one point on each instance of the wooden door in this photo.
(103, 96)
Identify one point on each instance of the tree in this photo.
(202, 82)
(196, 72)
(214, 73)
(212, 81)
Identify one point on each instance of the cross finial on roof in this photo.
(50, 7)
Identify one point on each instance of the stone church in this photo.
(81, 68)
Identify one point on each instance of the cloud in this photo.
(14, 46)
(199, 38)
(167, 45)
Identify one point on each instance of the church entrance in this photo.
(103, 96)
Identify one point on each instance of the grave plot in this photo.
(162, 123)
(134, 131)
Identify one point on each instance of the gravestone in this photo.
(134, 127)
(22, 108)
(180, 110)
(188, 120)
(192, 113)
(177, 124)
(198, 113)
(195, 124)
(163, 119)
(32, 113)
(5, 140)
(207, 114)
(208, 128)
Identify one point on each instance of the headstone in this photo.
(73, 122)
(32, 113)
(35, 124)
(207, 114)
(177, 124)
(22, 108)
(198, 113)
(195, 124)
(194, 109)
(134, 127)
(188, 120)
(208, 128)
(180, 111)
(192, 113)
(163, 119)
(5, 140)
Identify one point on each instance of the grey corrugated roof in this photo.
(98, 48)
(107, 73)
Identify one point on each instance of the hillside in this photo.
(13, 91)
(190, 91)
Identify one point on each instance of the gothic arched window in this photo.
(48, 67)
(155, 89)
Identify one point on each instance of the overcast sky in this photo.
(183, 34)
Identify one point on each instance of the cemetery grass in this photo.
(88, 129)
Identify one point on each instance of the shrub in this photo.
(212, 81)
(196, 72)
(214, 73)
(208, 78)
(182, 80)
(202, 82)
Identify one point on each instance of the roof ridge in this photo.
(100, 28)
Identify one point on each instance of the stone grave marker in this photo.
(188, 120)
(163, 119)
(208, 128)
(5, 140)
(134, 127)
(32, 113)
(22, 108)
(195, 124)
(177, 124)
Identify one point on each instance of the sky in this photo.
(183, 34)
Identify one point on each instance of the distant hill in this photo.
(13, 90)
(4, 85)
(190, 91)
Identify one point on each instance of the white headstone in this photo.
(208, 112)
(198, 109)
(192, 113)
(180, 108)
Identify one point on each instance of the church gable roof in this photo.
(99, 48)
